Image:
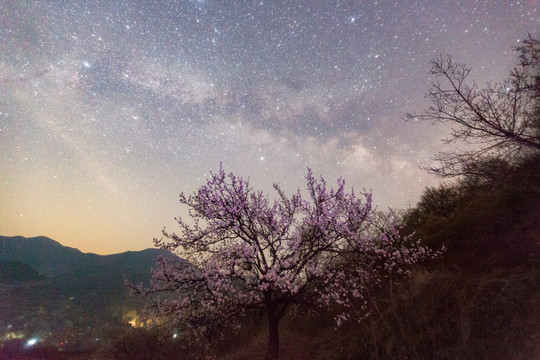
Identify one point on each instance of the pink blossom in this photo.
(243, 251)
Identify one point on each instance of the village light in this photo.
(31, 342)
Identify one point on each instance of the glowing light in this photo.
(13, 335)
(31, 342)
(132, 318)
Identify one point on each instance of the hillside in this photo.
(16, 271)
(479, 301)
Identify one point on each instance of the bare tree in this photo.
(501, 121)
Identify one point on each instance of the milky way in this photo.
(108, 110)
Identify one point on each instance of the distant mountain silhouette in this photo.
(54, 260)
(16, 271)
(45, 285)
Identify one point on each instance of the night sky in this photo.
(109, 109)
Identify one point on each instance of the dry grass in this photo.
(434, 315)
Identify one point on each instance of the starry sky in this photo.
(110, 109)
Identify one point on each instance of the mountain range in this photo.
(54, 290)
(33, 258)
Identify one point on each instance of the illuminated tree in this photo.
(498, 123)
(250, 253)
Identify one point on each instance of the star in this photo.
(118, 108)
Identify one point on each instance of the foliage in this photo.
(248, 254)
(501, 121)
(436, 202)
(478, 221)
(454, 315)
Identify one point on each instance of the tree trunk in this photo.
(273, 335)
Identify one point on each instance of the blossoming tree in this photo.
(248, 252)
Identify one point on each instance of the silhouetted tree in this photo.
(501, 121)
